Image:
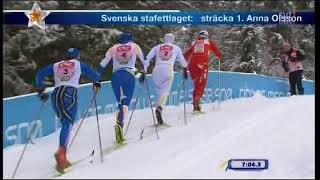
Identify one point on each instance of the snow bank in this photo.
(280, 130)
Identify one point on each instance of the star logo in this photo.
(36, 16)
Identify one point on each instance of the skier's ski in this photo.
(115, 146)
(198, 112)
(57, 173)
(159, 126)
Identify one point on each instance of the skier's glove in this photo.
(142, 77)
(96, 86)
(185, 73)
(43, 96)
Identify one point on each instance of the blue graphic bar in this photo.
(164, 18)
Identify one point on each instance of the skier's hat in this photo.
(73, 52)
(126, 37)
(204, 34)
(169, 37)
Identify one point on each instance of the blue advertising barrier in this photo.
(21, 112)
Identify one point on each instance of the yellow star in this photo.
(36, 16)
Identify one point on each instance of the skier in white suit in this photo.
(165, 55)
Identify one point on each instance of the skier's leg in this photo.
(162, 77)
(158, 79)
(127, 89)
(116, 87)
(116, 83)
(57, 107)
(64, 133)
(67, 101)
(202, 85)
(55, 103)
(163, 98)
(70, 106)
(195, 73)
(292, 83)
(299, 82)
(61, 153)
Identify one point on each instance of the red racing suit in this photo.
(198, 64)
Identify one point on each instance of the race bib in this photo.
(165, 52)
(199, 47)
(66, 70)
(124, 54)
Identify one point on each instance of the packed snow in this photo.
(279, 129)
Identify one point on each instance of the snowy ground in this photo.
(280, 130)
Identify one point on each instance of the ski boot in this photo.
(119, 133)
(158, 115)
(61, 158)
(196, 106)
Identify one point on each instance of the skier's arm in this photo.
(88, 71)
(41, 74)
(284, 62)
(300, 55)
(140, 56)
(284, 57)
(188, 53)
(181, 58)
(150, 56)
(105, 61)
(215, 49)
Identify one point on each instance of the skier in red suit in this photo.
(198, 64)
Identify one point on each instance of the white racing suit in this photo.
(165, 55)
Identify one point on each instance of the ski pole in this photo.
(83, 117)
(134, 107)
(181, 84)
(28, 142)
(154, 120)
(184, 102)
(95, 103)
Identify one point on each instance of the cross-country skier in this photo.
(64, 96)
(165, 55)
(124, 56)
(198, 64)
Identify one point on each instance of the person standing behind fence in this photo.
(198, 65)
(292, 62)
(64, 96)
(162, 75)
(124, 55)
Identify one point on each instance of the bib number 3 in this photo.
(66, 71)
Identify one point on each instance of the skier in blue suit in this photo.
(64, 96)
(124, 56)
